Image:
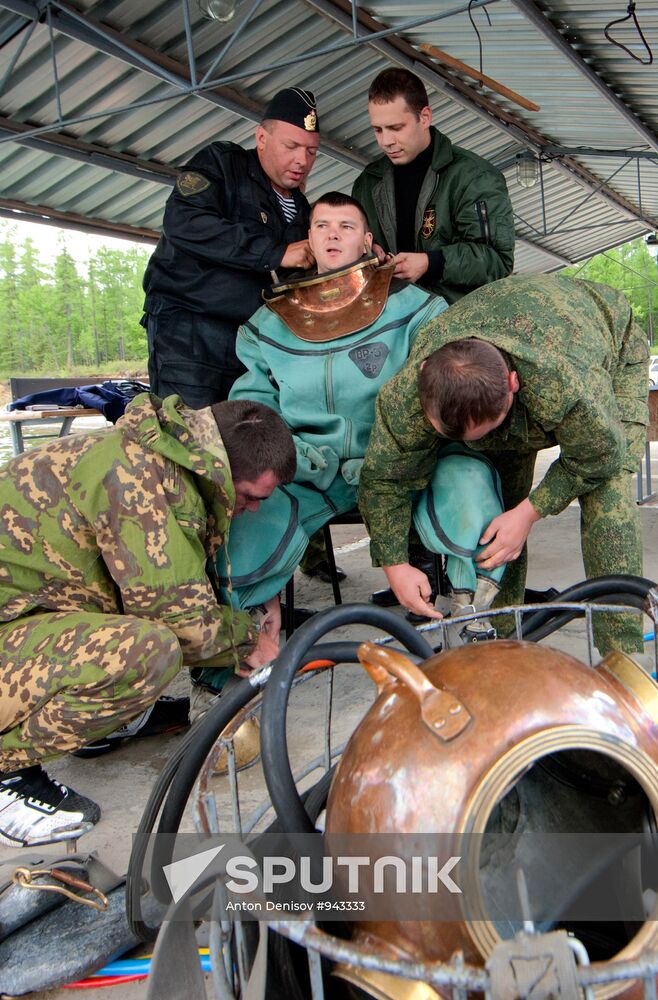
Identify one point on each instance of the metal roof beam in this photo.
(538, 18)
(628, 154)
(560, 261)
(20, 211)
(97, 156)
(70, 22)
(401, 52)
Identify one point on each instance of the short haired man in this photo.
(442, 212)
(234, 216)
(104, 591)
(317, 353)
(522, 364)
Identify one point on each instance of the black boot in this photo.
(426, 561)
(422, 559)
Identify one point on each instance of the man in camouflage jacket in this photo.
(577, 365)
(104, 592)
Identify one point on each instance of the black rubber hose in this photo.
(276, 761)
(183, 780)
(177, 779)
(186, 773)
(598, 587)
(562, 618)
(203, 732)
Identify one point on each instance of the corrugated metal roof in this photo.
(109, 100)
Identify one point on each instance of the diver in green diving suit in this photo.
(318, 352)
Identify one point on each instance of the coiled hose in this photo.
(177, 778)
(175, 782)
(620, 589)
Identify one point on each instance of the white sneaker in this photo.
(36, 809)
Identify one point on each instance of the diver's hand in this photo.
(271, 621)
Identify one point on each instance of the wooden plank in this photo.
(54, 413)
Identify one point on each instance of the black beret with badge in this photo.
(295, 106)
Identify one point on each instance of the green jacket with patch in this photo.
(122, 522)
(582, 367)
(463, 210)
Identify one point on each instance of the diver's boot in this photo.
(246, 741)
(166, 715)
(314, 562)
(209, 684)
(463, 601)
(36, 809)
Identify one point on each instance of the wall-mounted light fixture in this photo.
(527, 172)
(651, 243)
(218, 10)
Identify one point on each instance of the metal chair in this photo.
(350, 517)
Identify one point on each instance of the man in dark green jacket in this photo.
(570, 369)
(442, 212)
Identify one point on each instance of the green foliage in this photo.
(58, 316)
(631, 269)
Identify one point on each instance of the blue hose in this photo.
(138, 966)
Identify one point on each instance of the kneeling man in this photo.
(523, 364)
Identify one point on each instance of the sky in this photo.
(50, 240)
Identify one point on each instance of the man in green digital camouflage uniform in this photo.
(571, 368)
(104, 590)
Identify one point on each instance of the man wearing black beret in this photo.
(234, 216)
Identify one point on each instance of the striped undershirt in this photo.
(287, 206)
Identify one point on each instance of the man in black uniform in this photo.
(234, 216)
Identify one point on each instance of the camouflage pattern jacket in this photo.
(582, 366)
(122, 522)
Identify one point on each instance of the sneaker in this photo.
(36, 809)
(166, 715)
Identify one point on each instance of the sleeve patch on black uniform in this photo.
(190, 183)
(369, 360)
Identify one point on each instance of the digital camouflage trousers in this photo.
(67, 678)
(610, 539)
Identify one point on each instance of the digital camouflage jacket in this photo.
(582, 366)
(463, 210)
(122, 522)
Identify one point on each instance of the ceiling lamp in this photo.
(651, 243)
(218, 10)
(526, 169)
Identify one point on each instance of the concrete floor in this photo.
(121, 781)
